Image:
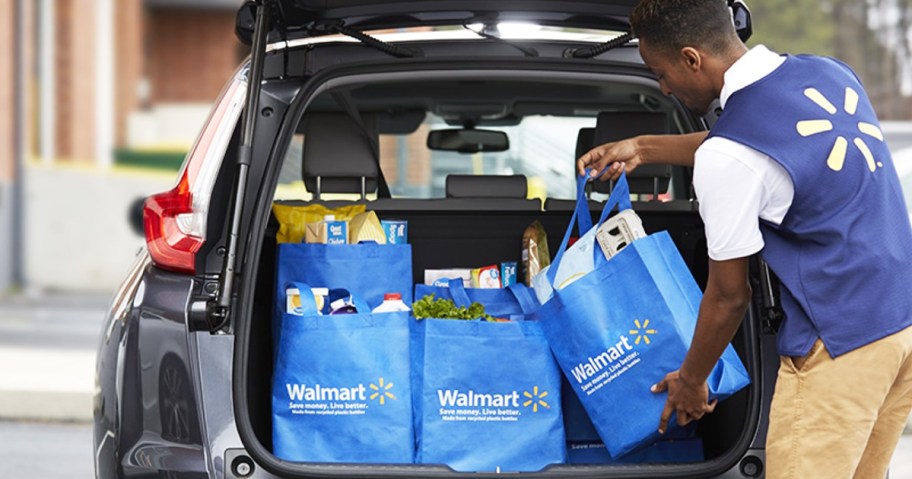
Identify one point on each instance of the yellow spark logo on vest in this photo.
(837, 157)
(381, 391)
(642, 332)
(536, 399)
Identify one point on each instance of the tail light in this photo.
(171, 238)
(175, 221)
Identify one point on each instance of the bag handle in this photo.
(527, 302)
(458, 292)
(620, 196)
(521, 292)
(309, 305)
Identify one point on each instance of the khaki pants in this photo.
(840, 418)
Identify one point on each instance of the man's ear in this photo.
(692, 58)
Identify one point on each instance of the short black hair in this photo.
(674, 24)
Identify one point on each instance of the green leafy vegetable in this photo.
(428, 307)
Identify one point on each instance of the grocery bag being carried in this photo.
(620, 328)
(341, 389)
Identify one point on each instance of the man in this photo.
(795, 168)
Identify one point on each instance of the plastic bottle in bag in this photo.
(392, 302)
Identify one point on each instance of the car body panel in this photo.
(172, 397)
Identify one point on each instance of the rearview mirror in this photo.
(468, 140)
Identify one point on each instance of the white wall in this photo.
(77, 235)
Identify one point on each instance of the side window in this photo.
(291, 186)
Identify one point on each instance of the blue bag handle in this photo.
(458, 292)
(527, 302)
(620, 197)
(520, 291)
(309, 305)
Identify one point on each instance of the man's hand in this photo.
(621, 155)
(689, 399)
(627, 155)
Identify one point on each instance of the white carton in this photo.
(619, 231)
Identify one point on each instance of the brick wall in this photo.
(129, 31)
(190, 54)
(75, 80)
(7, 98)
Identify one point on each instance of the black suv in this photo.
(464, 119)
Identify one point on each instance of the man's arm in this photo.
(724, 303)
(641, 150)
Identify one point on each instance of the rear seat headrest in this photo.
(614, 126)
(486, 186)
(338, 154)
(585, 141)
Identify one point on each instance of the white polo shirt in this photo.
(735, 184)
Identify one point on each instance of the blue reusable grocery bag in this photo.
(341, 389)
(622, 327)
(490, 396)
(366, 270)
(666, 451)
(514, 301)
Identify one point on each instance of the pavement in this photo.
(48, 343)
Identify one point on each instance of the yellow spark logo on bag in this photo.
(837, 156)
(642, 332)
(381, 391)
(536, 399)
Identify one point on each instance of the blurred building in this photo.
(86, 85)
(127, 81)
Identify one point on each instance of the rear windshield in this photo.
(546, 135)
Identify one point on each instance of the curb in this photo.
(46, 384)
(46, 406)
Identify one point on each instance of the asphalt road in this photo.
(46, 451)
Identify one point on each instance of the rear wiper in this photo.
(388, 48)
(529, 52)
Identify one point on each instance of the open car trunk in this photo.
(442, 239)
(468, 237)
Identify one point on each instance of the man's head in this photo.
(688, 44)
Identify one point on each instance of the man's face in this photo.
(680, 74)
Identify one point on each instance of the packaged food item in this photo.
(321, 295)
(341, 302)
(535, 254)
(315, 233)
(619, 231)
(392, 302)
(293, 220)
(508, 273)
(293, 300)
(328, 231)
(487, 277)
(396, 231)
(440, 277)
(336, 230)
(366, 227)
(340, 306)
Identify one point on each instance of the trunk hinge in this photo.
(219, 309)
(771, 314)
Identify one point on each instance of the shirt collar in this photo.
(755, 65)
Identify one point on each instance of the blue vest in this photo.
(844, 250)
